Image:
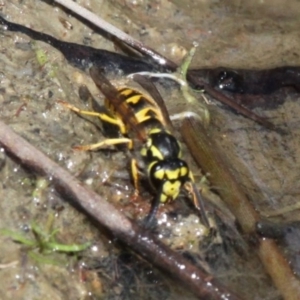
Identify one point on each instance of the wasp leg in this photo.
(149, 220)
(198, 202)
(105, 143)
(102, 116)
(135, 175)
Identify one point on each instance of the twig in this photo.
(121, 35)
(141, 241)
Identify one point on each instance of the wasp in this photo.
(141, 118)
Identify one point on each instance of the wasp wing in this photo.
(118, 102)
(150, 87)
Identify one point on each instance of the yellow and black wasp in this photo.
(139, 117)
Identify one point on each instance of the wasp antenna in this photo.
(149, 220)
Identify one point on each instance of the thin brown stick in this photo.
(206, 154)
(138, 239)
(116, 32)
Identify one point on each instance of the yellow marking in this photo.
(154, 130)
(163, 198)
(126, 92)
(171, 189)
(115, 121)
(107, 142)
(145, 114)
(159, 174)
(156, 153)
(134, 99)
(142, 115)
(183, 171)
(172, 174)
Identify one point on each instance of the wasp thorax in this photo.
(161, 145)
